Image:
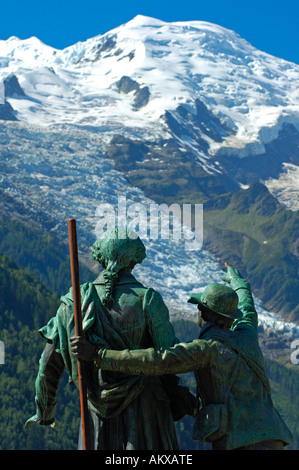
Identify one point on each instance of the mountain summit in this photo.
(250, 92)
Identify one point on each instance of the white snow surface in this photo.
(179, 62)
(286, 187)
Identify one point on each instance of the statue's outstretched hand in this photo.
(235, 280)
(231, 274)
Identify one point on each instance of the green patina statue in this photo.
(235, 409)
(125, 411)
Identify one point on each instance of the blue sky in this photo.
(269, 25)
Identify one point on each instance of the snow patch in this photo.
(286, 187)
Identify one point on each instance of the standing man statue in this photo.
(126, 412)
(236, 409)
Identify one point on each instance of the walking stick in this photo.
(78, 328)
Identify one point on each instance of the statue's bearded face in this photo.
(201, 321)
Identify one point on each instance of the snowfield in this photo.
(253, 92)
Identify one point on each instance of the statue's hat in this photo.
(219, 298)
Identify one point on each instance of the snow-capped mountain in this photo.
(195, 84)
(252, 91)
(127, 79)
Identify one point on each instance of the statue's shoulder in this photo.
(67, 299)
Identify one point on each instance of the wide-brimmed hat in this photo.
(219, 298)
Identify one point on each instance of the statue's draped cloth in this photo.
(119, 404)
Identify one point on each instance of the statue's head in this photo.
(217, 302)
(116, 249)
(120, 247)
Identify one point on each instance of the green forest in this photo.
(34, 272)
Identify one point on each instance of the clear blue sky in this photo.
(269, 25)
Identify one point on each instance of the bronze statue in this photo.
(235, 409)
(126, 412)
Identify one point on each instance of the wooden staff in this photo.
(78, 328)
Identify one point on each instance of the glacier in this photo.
(57, 175)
